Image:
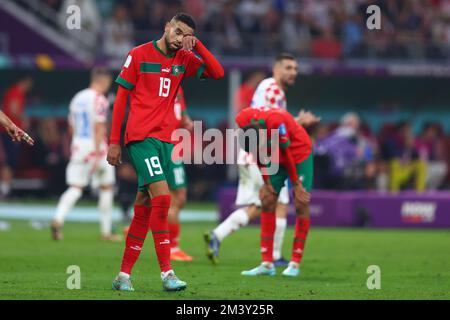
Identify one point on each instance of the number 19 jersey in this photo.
(153, 79)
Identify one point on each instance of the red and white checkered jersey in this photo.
(268, 94)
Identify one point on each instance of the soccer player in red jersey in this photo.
(151, 77)
(176, 179)
(295, 159)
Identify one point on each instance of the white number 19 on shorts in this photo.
(153, 165)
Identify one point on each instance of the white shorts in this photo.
(78, 173)
(250, 182)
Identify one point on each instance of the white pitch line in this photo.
(85, 214)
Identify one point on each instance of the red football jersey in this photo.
(291, 134)
(153, 79)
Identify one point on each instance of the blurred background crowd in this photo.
(412, 29)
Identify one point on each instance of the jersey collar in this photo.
(157, 48)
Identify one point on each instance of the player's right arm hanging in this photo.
(114, 150)
(126, 80)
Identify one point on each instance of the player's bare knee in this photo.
(181, 197)
(302, 210)
(142, 199)
(269, 203)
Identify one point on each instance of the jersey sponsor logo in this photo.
(128, 61)
(167, 70)
(282, 129)
(418, 212)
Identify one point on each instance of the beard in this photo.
(169, 46)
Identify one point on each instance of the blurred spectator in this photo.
(327, 46)
(225, 22)
(118, 34)
(54, 4)
(13, 105)
(401, 165)
(140, 14)
(352, 35)
(48, 154)
(345, 158)
(244, 94)
(252, 13)
(431, 149)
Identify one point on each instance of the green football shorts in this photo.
(176, 176)
(305, 172)
(152, 160)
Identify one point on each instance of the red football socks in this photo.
(268, 220)
(174, 229)
(301, 232)
(135, 238)
(160, 229)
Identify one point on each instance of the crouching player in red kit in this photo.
(295, 159)
(151, 77)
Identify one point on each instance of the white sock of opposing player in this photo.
(105, 204)
(280, 228)
(66, 203)
(235, 220)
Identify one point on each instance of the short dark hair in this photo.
(185, 18)
(100, 71)
(284, 56)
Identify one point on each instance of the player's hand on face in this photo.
(189, 43)
(301, 195)
(114, 155)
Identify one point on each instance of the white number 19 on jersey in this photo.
(164, 87)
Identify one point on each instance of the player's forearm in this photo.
(118, 114)
(4, 120)
(213, 67)
(290, 165)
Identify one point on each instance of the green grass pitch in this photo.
(415, 264)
